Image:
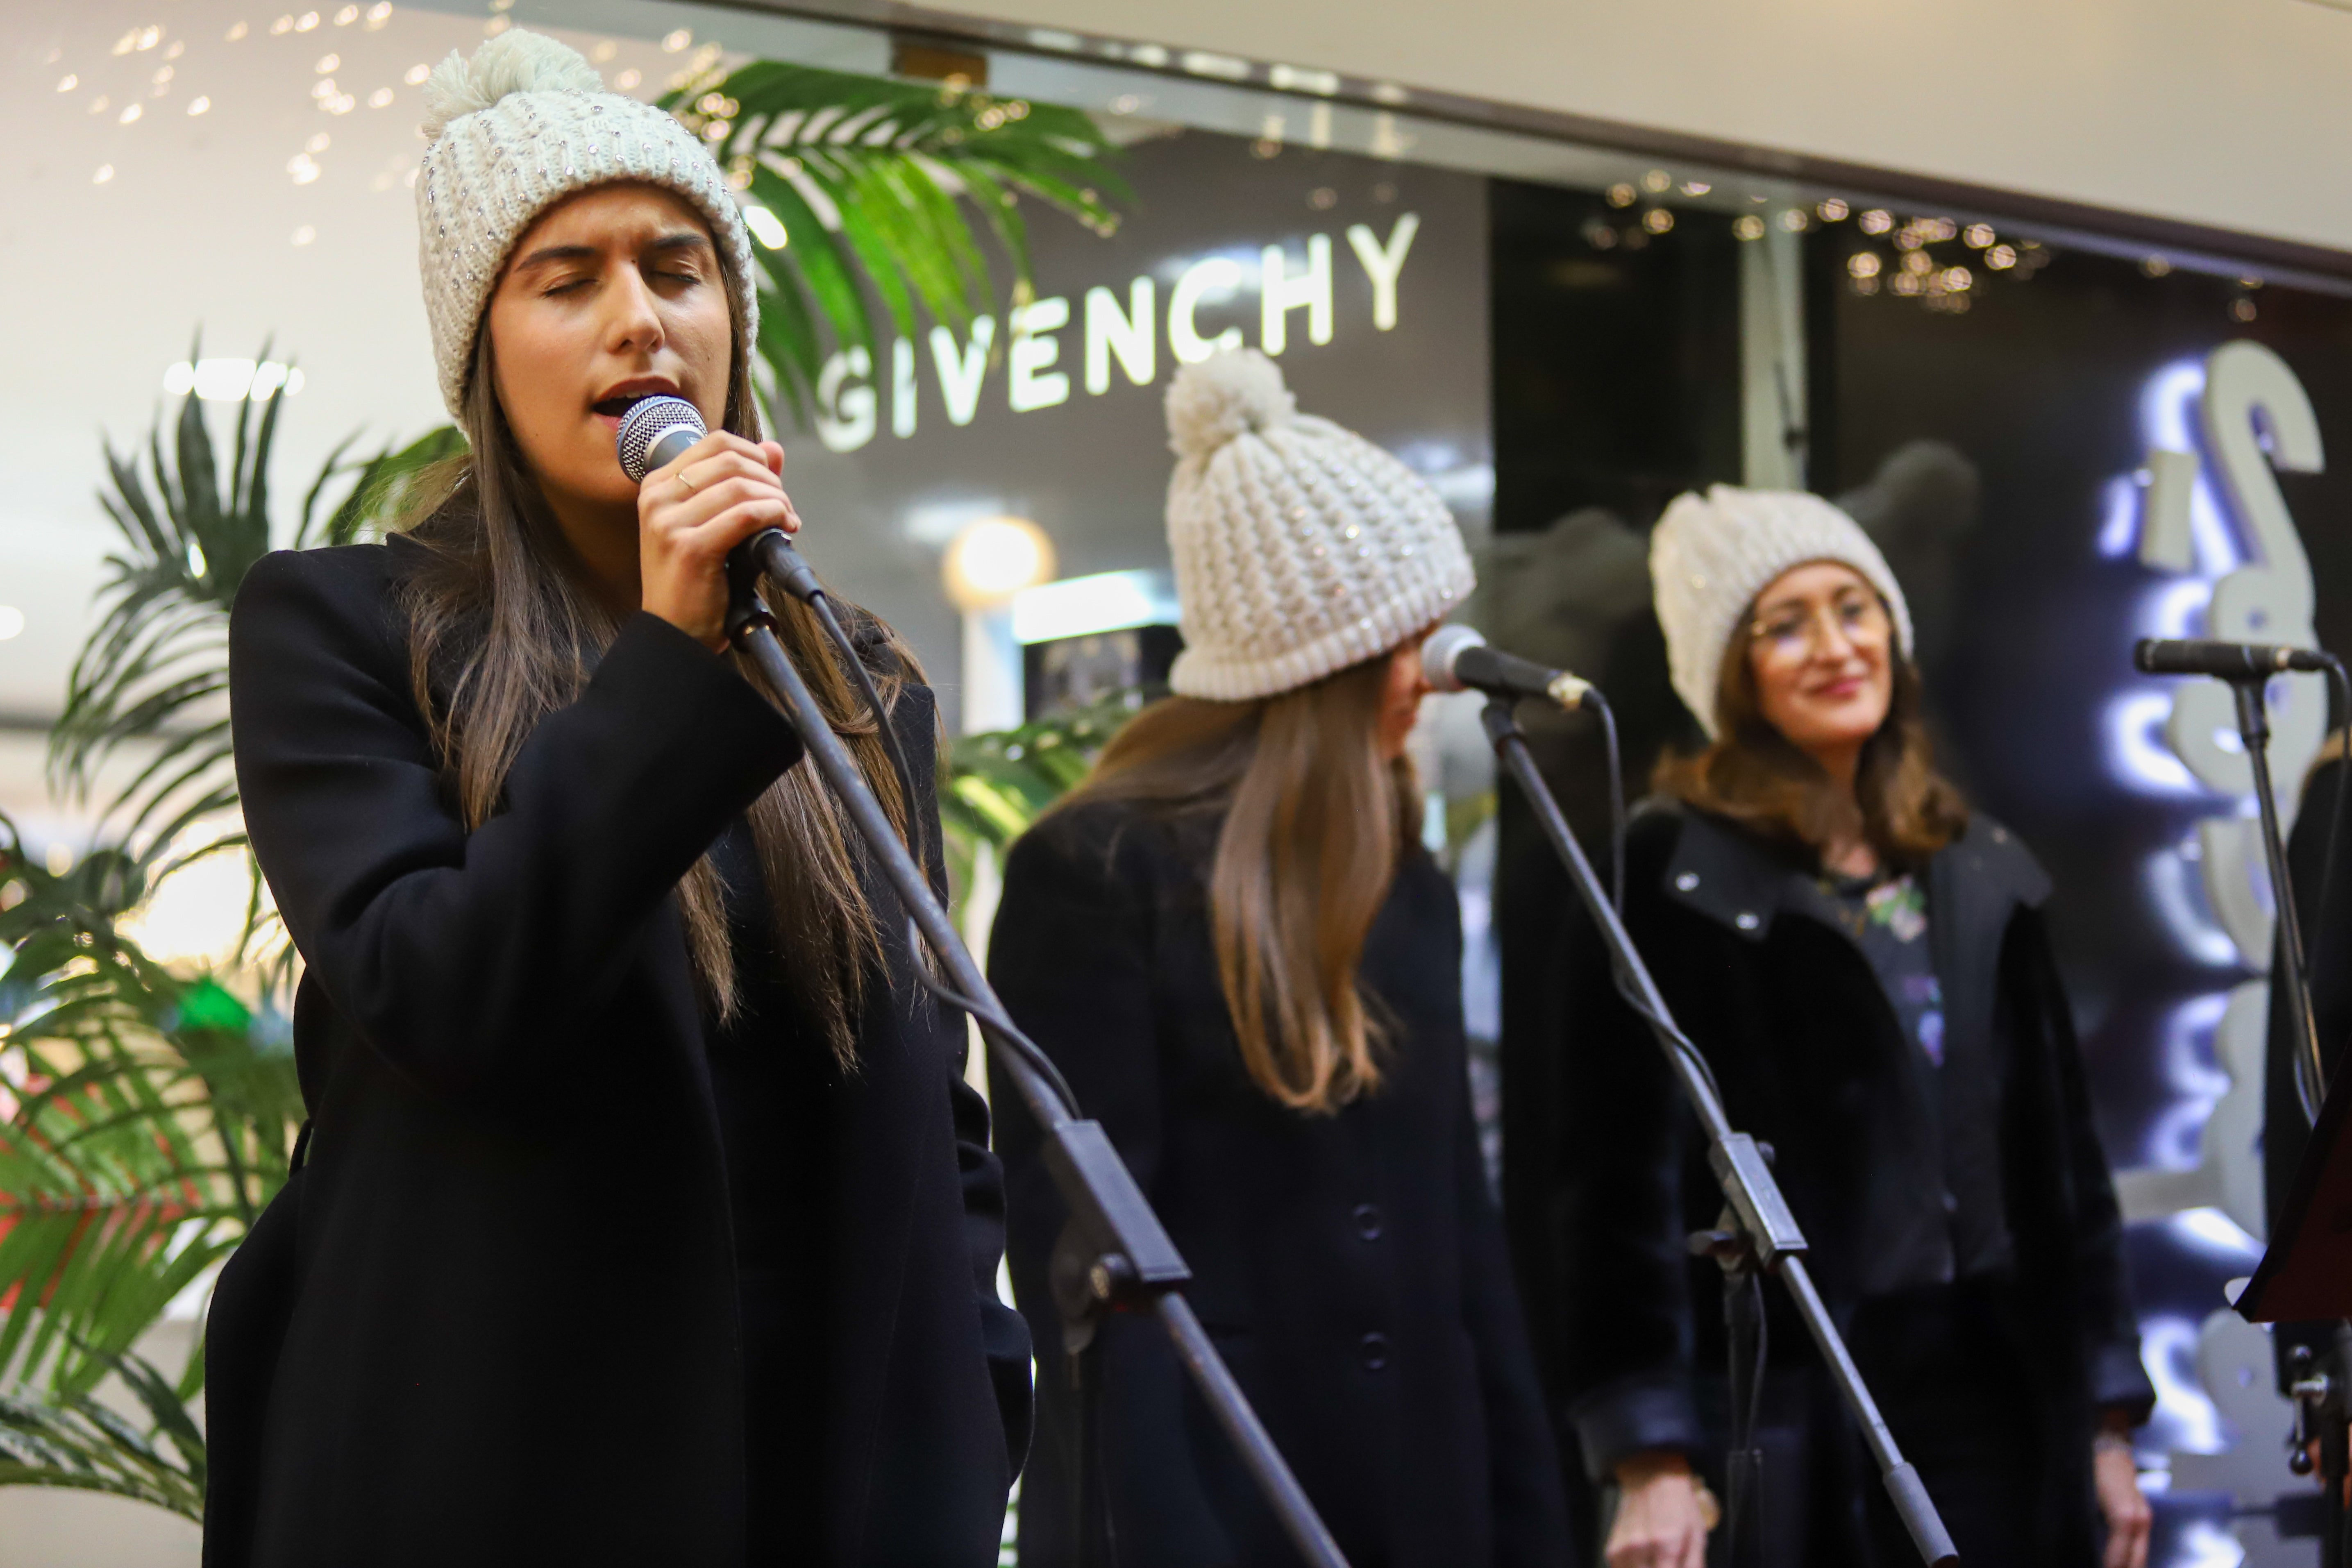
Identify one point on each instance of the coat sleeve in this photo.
(1628, 1334)
(1071, 956)
(1530, 1510)
(2109, 1328)
(469, 959)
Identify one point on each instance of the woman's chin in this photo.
(1836, 730)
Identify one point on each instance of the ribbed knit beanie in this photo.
(1710, 555)
(523, 124)
(1300, 547)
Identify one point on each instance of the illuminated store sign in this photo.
(2249, 416)
(1294, 298)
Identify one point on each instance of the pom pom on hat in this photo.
(517, 127)
(515, 61)
(1223, 396)
(1300, 547)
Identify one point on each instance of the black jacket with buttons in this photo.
(1350, 1267)
(1811, 1060)
(494, 1320)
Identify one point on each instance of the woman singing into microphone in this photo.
(644, 1216)
(1863, 964)
(1231, 943)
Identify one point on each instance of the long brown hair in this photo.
(1755, 776)
(503, 631)
(1309, 825)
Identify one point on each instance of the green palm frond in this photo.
(1000, 783)
(876, 183)
(80, 1443)
(153, 679)
(149, 1118)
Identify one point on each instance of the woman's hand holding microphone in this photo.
(691, 512)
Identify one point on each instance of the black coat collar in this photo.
(1742, 882)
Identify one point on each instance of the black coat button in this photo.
(1368, 1221)
(1373, 1349)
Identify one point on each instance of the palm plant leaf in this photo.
(1000, 783)
(80, 1443)
(148, 1120)
(153, 676)
(871, 179)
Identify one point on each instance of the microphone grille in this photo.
(647, 422)
(1444, 647)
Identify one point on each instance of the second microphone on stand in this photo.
(1456, 658)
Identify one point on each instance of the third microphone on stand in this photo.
(2223, 660)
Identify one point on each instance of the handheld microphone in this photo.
(1456, 658)
(2223, 660)
(657, 431)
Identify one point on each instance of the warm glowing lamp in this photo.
(990, 560)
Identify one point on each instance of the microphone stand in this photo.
(2254, 730)
(1130, 1263)
(1757, 1221)
(2323, 1401)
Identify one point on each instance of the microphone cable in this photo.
(993, 1019)
(1600, 705)
(819, 604)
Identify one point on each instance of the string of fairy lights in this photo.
(148, 73)
(1938, 262)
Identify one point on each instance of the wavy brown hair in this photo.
(1753, 775)
(503, 630)
(1309, 825)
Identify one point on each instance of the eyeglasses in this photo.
(1799, 629)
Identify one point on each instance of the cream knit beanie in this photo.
(1710, 556)
(1300, 547)
(523, 124)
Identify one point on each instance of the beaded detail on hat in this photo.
(1300, 547)
(515, 128)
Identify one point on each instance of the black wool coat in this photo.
(1801, 1037)
(494, 1318)
(1350, 1267)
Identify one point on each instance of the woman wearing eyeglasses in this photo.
(1863, 962)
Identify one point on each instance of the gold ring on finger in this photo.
(688, 483)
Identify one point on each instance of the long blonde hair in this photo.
(1311, 824)
(503, 631)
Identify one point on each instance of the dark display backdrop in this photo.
(2050, 393)
(1092, 470)
(2000, 456)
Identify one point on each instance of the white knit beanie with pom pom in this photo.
(523, 124)
(1300, 547)
(1710, 555)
